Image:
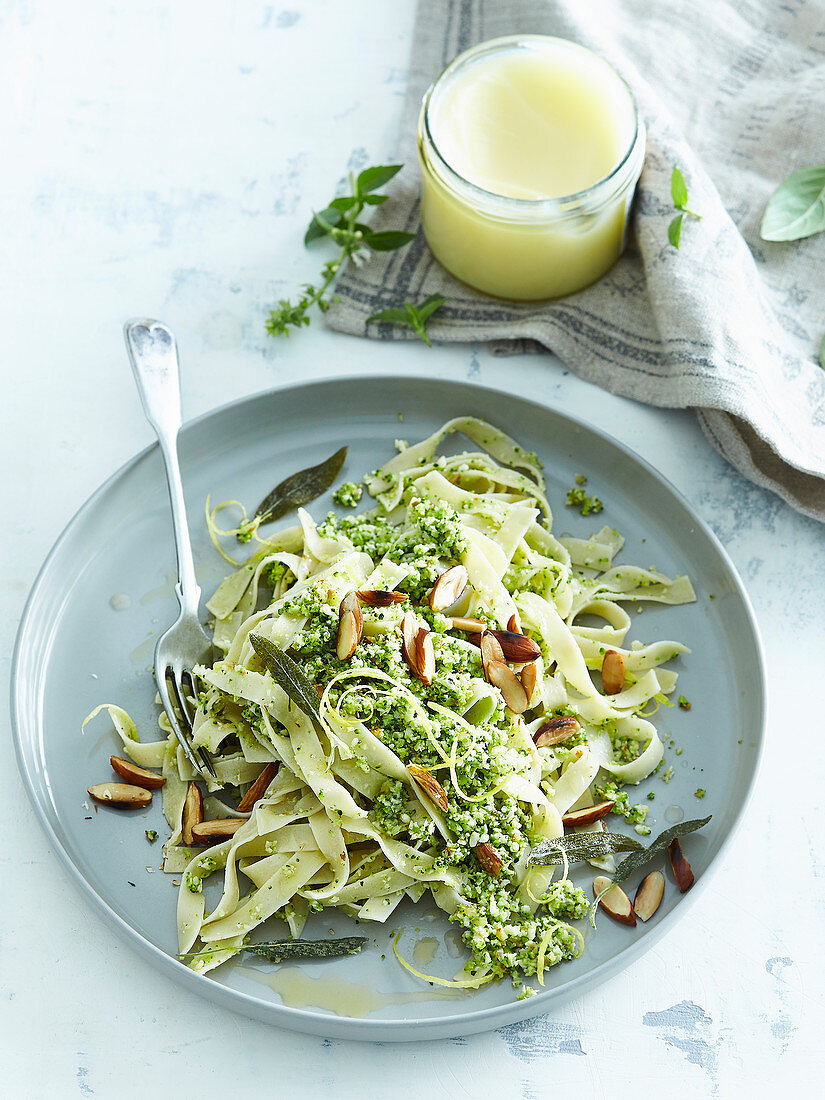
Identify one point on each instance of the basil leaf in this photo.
(281, 950)
(375, 200)
(346, 202)
(796, 209)
(395, 315)
(321, 223)
(388, 241)
(662, 842)
(579, 847)
(373, 178)
(287, 674)
(678, 189)
(674, 230)
(300, 488)
(429, 306)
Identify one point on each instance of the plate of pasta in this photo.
(457, 775)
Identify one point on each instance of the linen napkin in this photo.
(733, 92)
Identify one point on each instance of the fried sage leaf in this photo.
(300, 488)
(287, 674)
(661, 844)
(579, 847)
(284, 950)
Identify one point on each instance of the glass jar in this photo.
(504, 126)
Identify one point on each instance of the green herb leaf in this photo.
(375, 200)
(288, 675)
(674, 230)
(298, 489)
(281, 950)
(579, 847)
(414, 316)
(321, 224)
(373, 178)
(678, 189)
(661, 844)
(388, 240)
(796, 209)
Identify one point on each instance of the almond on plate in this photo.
(612, 672)
(192, 812)
(587, 815)
(649, 895)
(489, 859)
(447, 589)
(258, 788)
(123, 795)
(554, 731)
(512, 689)
(615, 902)
(682, 871)
(141, 777)
(213, 832)
(429, 785)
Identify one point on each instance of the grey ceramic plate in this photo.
(106, 591)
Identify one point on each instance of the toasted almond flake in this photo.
(124, 796)
(348, 636)
(490, 649)
(258, 788)
(140, 777)
(682, 871)
(517, 648)
(377, 597)
(511, 688)
(587, 815)
(514, 624)
(429, 785)
(489, 859)
(424, 656)
(529, 678)
(448, 588)
(213, 832)
(468, 626)
(612, 672)
(615, 902)
(554, 731)
(649, 895)
(192, 812)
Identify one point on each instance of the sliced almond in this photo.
(612, 672)
(517, 648)
(615, 902)
(424, 656)
(377, 597)
(447, 589)
(192, 812)
(649, 895)
(554, 731)
(348, 636)
(512, 689)
(213, 832)
(258, 788)
(429, 785)
(682, 871)
(468, 626)
(587, 815)
(514, 624)
(490, 649)
(489, 859)
(123, 795)
(529, 678)
(409, 629)
(141, 777)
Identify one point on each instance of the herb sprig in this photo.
(796, 209)
(414, 316)
(679, 193)
(339, 223)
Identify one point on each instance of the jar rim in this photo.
(557, 204)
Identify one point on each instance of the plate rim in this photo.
(366, 1028)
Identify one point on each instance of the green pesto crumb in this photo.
(684, 703)
(651, 795)
(151, 835)
(578, 498)
(581, 479)
(667, 775)
(348, 494)
(679, 751)
(700, 792)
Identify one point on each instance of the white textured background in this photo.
(160, 159)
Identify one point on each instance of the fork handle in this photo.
(153, 354)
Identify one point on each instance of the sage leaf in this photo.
(283, 950)
(300, 488)
(373, 178)
(661, 844)
(288, 675)
(796, 209)
(579, 847)
(674, 230)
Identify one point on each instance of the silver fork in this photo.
(154, 358)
